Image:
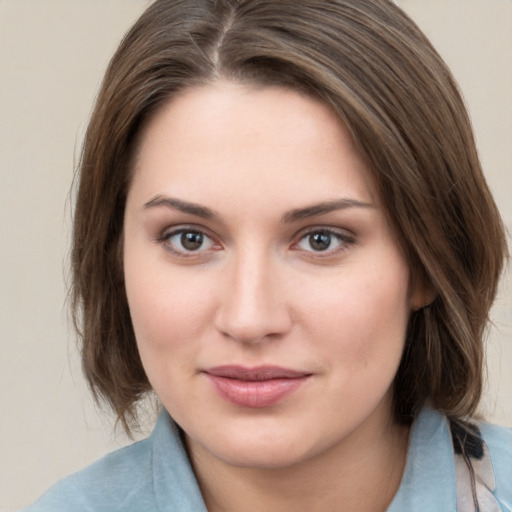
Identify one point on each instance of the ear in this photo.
(422, 292)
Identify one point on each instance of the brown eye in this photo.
(185, 241)
(191, 240)
(320, 241)
(324, 241)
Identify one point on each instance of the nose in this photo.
(253, 305)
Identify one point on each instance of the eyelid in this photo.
(315, 228)
(342, 235)
(180, 228)
(166, 234)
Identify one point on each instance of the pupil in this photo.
(320, 241)
(191, 240)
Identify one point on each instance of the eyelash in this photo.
(165, 240)
(344, 241)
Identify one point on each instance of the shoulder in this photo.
(430, 481)
(154, 474)
(121, 480)
(499, 443)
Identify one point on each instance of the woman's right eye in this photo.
(186, 241)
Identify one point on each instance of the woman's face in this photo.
(268, 296)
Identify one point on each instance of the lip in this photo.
(257, 387)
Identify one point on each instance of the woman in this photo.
(283, 231)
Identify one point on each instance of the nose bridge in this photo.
(253, 306)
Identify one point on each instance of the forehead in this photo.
(232, 138)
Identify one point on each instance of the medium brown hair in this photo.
(371, 64)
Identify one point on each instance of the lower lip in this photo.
(256, 394)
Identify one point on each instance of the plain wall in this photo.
(52, 56)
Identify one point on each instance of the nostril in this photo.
(253, 326)
(251, 305)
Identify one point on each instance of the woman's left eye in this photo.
(323, 241)
(187, 241)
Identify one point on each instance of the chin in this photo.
(255, 455)
(263, 445)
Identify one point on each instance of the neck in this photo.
(362, 474)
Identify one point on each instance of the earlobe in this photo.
(423, 293)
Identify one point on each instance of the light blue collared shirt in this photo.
(155, 475)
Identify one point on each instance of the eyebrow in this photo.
(289, 217)
(182, 206)
(323, 208)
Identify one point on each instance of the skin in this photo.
(257, 291)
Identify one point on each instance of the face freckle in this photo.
(275, 335)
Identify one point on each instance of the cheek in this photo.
(165, 309)
(363, 320)
(167, 326)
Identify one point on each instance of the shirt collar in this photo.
(428, 483)
(175, 485)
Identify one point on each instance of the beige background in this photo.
(52, 55)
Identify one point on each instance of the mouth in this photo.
(258, 387)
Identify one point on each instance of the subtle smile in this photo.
(258, 387)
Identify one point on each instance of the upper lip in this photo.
(258, 373)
